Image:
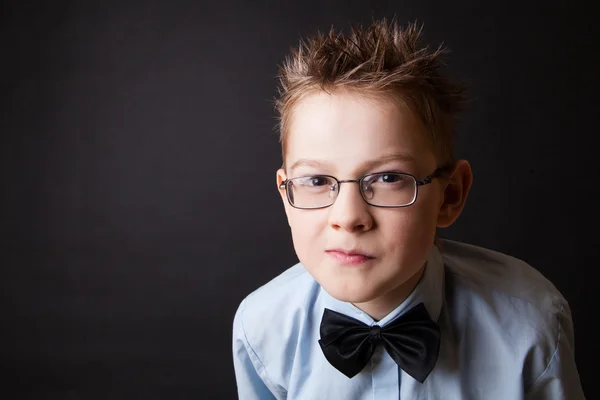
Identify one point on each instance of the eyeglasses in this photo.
(383, 189)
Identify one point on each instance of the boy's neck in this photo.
(380, 307)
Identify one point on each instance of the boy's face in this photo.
(347, 136)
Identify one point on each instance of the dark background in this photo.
(139, 153)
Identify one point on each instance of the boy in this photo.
(378, 307)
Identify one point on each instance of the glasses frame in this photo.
(425, 181)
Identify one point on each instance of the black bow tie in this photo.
(412, 340)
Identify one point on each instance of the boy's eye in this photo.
(317, 181)
(385, 178)
(388, 181)
(390, 178)
(314, 181)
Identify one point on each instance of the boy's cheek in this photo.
(307, 221)
(305, 232)
(308, 237)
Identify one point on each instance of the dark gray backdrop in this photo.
(138, 167)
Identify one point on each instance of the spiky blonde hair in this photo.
(383, 59)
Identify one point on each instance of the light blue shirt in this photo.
(506, 334)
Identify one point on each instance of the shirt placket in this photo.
(385, 376)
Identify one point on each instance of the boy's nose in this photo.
(349, 211)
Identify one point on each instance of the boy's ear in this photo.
(457, 185)
(281, 176)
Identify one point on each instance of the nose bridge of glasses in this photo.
(336, 187)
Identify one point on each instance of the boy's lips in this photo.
(348, 257)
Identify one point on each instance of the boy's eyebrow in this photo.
(367, 165)
(405, 157)
(303, 162)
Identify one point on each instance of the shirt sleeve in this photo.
(560, 380)
(247, 365)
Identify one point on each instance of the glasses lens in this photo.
(312, 191)
(389, 189)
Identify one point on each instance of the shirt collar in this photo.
(429, 291)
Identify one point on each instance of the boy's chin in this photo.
(350, 294)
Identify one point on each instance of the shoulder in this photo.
(266, 326)
(497, 275)
(272, 310)
(506, 299)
